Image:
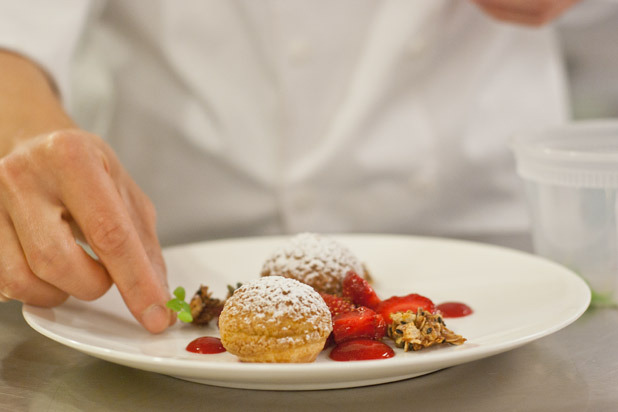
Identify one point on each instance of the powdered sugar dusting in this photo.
(264, 305)
(318, 261)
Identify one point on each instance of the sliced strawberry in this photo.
(359, 323)
(411, 302)
(359, 291)
(337, 304)
(361, 349)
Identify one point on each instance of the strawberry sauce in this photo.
(206, 345)
(361, 349)
(454, 309)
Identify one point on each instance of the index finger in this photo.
(98, 209)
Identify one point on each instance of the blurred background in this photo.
(589, 35)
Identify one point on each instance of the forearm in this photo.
(29, 105)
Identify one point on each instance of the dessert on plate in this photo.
(275, 319)
(318, 261)
(313, 293)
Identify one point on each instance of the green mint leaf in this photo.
(185, 317)
(602, 299)
(185, 306)
(174, 304)
(179, 292)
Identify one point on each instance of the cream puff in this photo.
(275, 319)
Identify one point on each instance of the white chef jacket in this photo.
(278, 116)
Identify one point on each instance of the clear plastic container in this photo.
(571, 181)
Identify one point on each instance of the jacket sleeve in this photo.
(46, 32)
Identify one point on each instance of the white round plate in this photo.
(516, 298)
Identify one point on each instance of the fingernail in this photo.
(156, 318)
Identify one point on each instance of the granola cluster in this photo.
(415, 331)
(204, 307)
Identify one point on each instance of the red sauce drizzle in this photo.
(206, 345)
(454, 309)
(361, 349)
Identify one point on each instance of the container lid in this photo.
(580, 154)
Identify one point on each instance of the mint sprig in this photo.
(602, 299)
(179, 305)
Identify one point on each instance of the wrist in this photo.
(29, 104)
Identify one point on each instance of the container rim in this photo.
(536, 144)
(553, 156)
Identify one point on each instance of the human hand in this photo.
(526, 12)
(67, 183)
